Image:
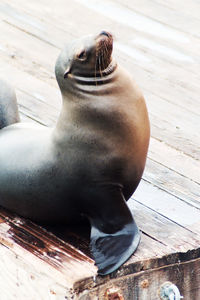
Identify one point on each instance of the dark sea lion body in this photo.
(8, 105)
(91, 162)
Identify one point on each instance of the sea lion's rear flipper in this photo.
(114, 234)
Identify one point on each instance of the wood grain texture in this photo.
(159, 43)
(37, 263)
(145, 285)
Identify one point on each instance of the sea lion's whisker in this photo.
(100, 71)
(105, 53)
(95, 68)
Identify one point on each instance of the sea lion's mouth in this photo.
(104, 47)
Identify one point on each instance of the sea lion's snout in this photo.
(104, 47)
(109, 35)
(105, 36)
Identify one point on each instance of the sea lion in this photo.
(91, 162)
(9, 113)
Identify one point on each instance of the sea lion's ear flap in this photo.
(110, 251)
(67, 72)
(114, 233)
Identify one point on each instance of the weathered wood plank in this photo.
(31, 85)
(163, 229)
(36, 262)
(65, 15)
(169, 206)
(172, 182)
(145, 285)
(190, 8)
(175, 160)
(59, 270)
(26, 23)
(145, 19)
(37, 109)
(62, 256)
(30, 52)
(174, 14)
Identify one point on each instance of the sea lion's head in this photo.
(86, 60)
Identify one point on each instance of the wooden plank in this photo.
(161, 228)
(172, 14)
(147, 25)
(28, 51)
(169, 206)
(25, 23)
(145, 285)
(37, 109)
(25, 118)
(190, 8)
(66, 17)
(172, 182)
(55, 267)
(36, 263)
(176, 127)
(175, 160)
(31, 85)
(116, 11)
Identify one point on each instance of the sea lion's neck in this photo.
(82, 95)
(98, 83)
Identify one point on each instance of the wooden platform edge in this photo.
(141, 266)
(146, 284)
(34, 260)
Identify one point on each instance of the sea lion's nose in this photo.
(105, 33)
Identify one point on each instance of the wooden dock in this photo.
(159, 43)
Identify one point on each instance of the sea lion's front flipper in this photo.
(114, 235)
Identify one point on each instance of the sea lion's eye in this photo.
(82, 55)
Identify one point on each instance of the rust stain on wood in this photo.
(145, 283)
(1, 220)
(113, 294)
(6, 243)
(52, 292)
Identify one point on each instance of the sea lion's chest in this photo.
(102, 141)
